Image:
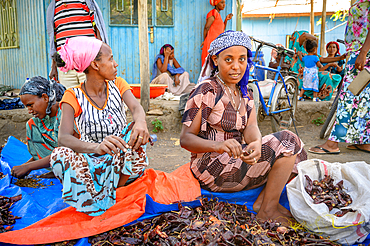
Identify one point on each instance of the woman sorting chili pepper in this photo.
(220, 129)
(41, 97)
(108, 153)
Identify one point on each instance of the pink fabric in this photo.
(214, 2)
(79, 52)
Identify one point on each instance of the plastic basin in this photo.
(155, 90)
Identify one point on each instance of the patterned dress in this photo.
(220, 122)
(42, 135)
(352, 123)
(90, 180)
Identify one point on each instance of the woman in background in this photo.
(214, 25)
(167, 71)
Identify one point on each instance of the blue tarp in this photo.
(37, 204)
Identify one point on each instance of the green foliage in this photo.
(157, 125)
(319, 121)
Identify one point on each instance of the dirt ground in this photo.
(167, 154)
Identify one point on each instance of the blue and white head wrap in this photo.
(222, 42)
(39, 85)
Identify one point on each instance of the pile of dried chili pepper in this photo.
(333, 196)
(31, 182)
(213, 223)
(6, 217)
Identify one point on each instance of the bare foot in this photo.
(276, 216)
(49, 175)
(281, 209)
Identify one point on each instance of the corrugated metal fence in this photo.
(29, 59)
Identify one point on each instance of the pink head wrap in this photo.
(214, 2)
(79, 52)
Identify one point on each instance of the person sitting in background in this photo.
(167, 71)
(275, 61)
(333, 67)
(41, 98)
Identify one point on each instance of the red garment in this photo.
(71, 20)
(214, 2)
(215, 30)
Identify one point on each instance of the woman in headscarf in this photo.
(167, 71)
(332, 48)
(220, 129)
(352, 123)
(214, 25)
(41, 97)
(327, 82)
(108, 153)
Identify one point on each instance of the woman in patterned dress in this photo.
(108, 153)
(352, 124)
(41, 97)
(220, 129)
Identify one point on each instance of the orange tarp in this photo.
(69, 224)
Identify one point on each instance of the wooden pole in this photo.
(352, 2)
(144, 54)
(323, 21)
(312, 19)
(238, 15)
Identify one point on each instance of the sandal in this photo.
(301, 99)
(326, 152)
(355, 147)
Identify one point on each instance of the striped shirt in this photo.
(72, 18)
(94, 124)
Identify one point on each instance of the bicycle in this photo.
(282, 101)
(330, 120)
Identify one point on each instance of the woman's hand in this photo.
(230, 146)
(139, 135)
(228, 17)
(360, 61)
(167, 51)
(254, 150)
(111, 145)
(20, 171)
(177, 80)
(201, 46)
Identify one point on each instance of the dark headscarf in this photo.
(39, 85)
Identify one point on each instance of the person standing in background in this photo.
(67, 19)
(214, 25)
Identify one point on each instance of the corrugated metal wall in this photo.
(30, 58)
(186, 36)
(276, 31)
(33, 58)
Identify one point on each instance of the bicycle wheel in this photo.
(329, 122)
(256, 96)
(284, 120)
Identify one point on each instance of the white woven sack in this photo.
(352, 227)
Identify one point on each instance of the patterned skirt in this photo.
(90, 181)
(223, 173)
(310, 79)
(352, 124)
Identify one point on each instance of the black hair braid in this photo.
(56, 57)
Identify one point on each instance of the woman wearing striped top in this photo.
(108, 153)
